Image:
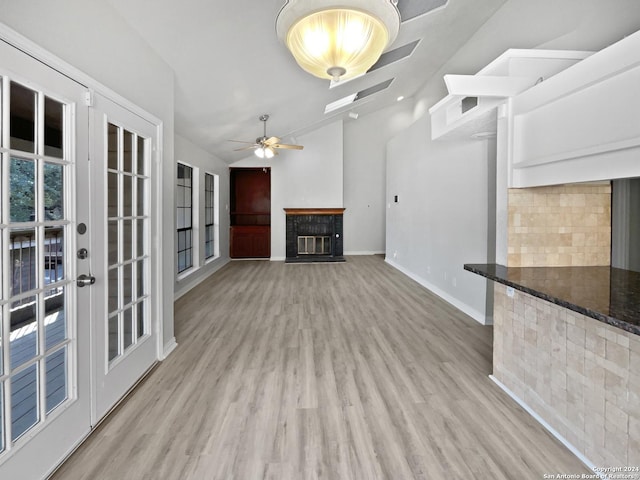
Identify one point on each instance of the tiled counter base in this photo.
(580, 375)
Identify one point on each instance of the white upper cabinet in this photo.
(470, 108)
(581, 125)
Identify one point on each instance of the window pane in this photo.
(140, 315)
(56, 380)
(112, 187)
(22, 190)
(127, 240)
(113, 337)
(140, 238)
(23, 344)
(22, 257)
(113, 289)
(142, 170)
(182, 241)
(127, 195)
(53, 251)
(22, 118)
(127, 283)
(53, 123)
(140, 279)
(24, 401)
(141, 196)
(113, 242)
(55, 328)
(112, 156)
(53, 191)
(128, 327)
(127, 151)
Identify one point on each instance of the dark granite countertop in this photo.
(610, 295)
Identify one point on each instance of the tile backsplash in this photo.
(565, 225)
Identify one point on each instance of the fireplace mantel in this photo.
(314, 211)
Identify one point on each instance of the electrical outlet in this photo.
(510, 292)
(429, 270)
(453, 281)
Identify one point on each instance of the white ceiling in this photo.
(230, 68)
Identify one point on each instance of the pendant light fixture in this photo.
(337, 39)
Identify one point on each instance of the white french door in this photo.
(77, 326)
(45, 336)
(125, 340)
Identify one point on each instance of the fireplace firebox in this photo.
(314, 235)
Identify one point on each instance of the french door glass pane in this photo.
(22, 118)
(127, 284)
(127, 241)
(113, 289)
(22, 258)
(56, 367)
(23, 341)
(113, 336)
(112, 188)
(53, 123)
(112, 237)
(127, 195)
(24, 401)
(127, 151)
(140, 318)
(53, 254)
(22, 190)
(55, 328)
(112, 147)
(53, 191)
(128, 327)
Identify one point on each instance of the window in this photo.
(210, 214)
(184, 202)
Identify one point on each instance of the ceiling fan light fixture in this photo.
(260, 153)
(268, 152)
(337, 39)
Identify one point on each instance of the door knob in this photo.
(84, 280)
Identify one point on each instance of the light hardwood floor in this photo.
(328, 371)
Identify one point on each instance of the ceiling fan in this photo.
(266, 146)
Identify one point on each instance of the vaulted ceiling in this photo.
(230, 67)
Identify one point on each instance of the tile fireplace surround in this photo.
(309, 227)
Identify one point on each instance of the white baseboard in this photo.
(472, 312)
(277, 259)
(548, 427)
(169, 347)
(360, 252)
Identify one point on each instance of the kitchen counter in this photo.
(609, 295)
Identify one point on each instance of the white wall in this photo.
(192, 155)
(441, 221)
(90, 36)
(365, 141)
(309, 178)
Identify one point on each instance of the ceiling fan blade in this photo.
(271, 140)
(240, 141)
(289, 147)
(250, 147)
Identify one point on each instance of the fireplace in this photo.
(314, 235)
